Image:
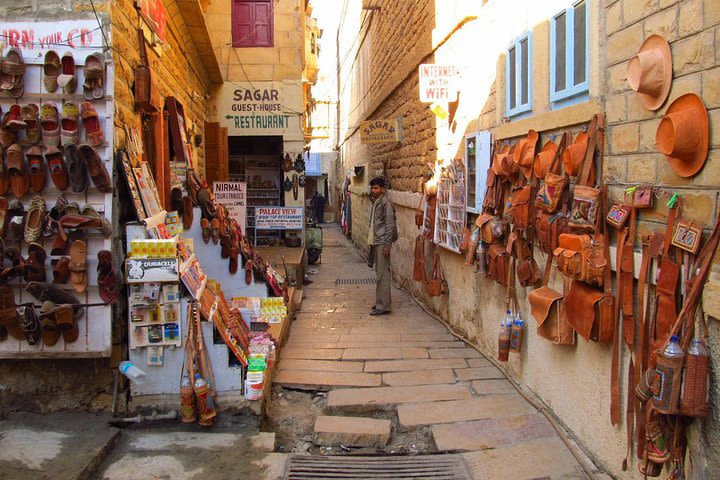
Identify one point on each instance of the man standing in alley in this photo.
(381, 235)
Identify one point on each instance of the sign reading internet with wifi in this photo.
(438, 83)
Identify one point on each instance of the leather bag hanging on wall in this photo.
(552, 187)
(420, 213)
(143, 78)
(498, 262)
(547, 306)
(419, 274)
(437, 285)
(585, 205)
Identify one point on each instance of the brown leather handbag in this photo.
(520, 209)
(582, 257)
(484, 223)
(547, 306)
(437, 285)
(590, 312)
(498, 262)
(550, 192)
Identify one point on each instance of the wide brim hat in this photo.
(575, 153)
(649, 72)
(500, 154)
(525, 152)
(683, 135)
(545, 158)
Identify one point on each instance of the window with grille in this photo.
(252, 23)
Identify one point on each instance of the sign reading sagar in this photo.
(380, 131)
(259, 108)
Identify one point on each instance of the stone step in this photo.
(351, 431)
(311, 353)
(480, 373)
(479, 362)
(463, 410)
(380, 397)
(387, 353)
(428, 377)
(454, 353)
(415, 365)
(376, 344)
(493, 387)
(314, 380)
(546, 458)
(320, 365)
(491, 433)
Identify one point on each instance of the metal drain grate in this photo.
(446, 467)
(355, 281)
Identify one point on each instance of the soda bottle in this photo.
(516, 334)
(132, 372)
(504, 337)
(205, 403)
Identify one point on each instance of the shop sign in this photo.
(279, 218)
(380, 131)
(155, 15)
(261, 108)
(142, 270)
(49, 35)
(233, 195)
(438, 83)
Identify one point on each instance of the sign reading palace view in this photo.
(380, 131)
(261, 108)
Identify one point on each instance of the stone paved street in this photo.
(408, 366)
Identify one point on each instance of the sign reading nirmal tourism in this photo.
(261, 108)
(380, 131)
(438, 83)
(233, 196)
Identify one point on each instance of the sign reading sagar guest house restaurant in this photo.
(263, 108)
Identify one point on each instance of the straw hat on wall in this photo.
(649, 72)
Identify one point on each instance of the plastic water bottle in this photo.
(480, 255)
(132, 372)
(673, 349)
(504, 337)
(697, 347)
(695, 397)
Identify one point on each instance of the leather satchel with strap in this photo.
(586, 199)
(437, 285)
(550, 192)
(498, 263)
(547, 306)
(420, 213)
(419, 274)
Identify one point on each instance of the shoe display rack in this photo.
(263, 189)
(56, 179)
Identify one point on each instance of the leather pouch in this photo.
(550, 192)
(520, 213)
(419, 260)
(581, 257)
(485, 225)
(694, 400)
(548, 308)
(517, 246)
(498, 260)
(590, 312)
(584, 209)
(437, 285)
(666, 389)
(643, 196)
(687, 236)
(465, 242)
(491, 201)
(528, 272)
(618, 215)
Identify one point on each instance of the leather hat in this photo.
(500, 154)
(544, 159)
(649, 72)
(683, 135)
(525, 152)
(575, 153)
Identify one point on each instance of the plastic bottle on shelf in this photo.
(132, 372)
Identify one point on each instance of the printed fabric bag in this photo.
(585, 205)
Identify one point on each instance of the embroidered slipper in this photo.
(36, 168)
(94, 75)
(4, 177)
(107, 278)
(193, 185)
(95, 168)
(70, 124)
(19, 182)
(53, 217)
(51, 70)
(29, 322)
(61, 271)
(103, 225)
(12, 119)
(248, 272)
(91, 122)
(78, 266)
(34, 269)
(48, 325)
(50, 125)
(76, 168)
(205, 201)
(29, 116)
(66, 79)
(7, 137)
(233, 264)
(205, 226)
(35, 217)
(13, 69)
(58, 170)
(215, 230)
(67, 323)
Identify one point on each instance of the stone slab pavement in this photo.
(61, 446)
(409, 364)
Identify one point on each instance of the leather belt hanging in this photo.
(668, 277)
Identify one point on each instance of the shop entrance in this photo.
(257, 161)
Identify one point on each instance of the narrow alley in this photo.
(400, 383)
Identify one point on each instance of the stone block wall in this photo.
(177, 72)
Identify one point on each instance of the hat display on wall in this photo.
(544, 158)
(683, 135)
(649, 72)
(575, 153)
